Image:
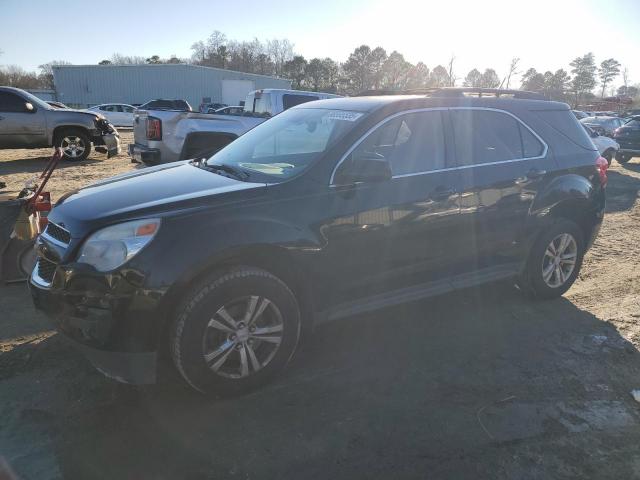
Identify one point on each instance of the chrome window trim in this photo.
(461, 167)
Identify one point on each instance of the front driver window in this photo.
(411, 143)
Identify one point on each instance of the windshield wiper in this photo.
(221, 169)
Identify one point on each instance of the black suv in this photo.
(628, 136)
(332, 208)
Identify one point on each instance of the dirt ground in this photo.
(478, 384)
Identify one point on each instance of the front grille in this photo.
(57, 232)
(46, 269)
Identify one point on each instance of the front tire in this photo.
(554, 261)
(75, 144)
(236, 332)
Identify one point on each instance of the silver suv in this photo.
(28, 122)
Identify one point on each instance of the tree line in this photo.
(365, 69)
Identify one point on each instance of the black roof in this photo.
(375, 102)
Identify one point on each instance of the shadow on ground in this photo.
(36, 165)
(480, 384)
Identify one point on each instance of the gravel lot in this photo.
(477, 384)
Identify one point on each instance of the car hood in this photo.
(150, 191)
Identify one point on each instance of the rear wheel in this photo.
(622, 158)
(554, 261)
(608, 155)
(75, 145)
(236, 332)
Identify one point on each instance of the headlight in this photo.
(112, 246)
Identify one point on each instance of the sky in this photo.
(545, 34)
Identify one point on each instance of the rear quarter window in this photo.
(566, 124)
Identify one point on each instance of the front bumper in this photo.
(128, 367)
(140, 153)
(108, 143)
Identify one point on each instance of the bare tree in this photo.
(452, 77)
(513, 70)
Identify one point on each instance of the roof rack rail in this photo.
(460, 92)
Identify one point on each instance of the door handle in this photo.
(442, 193)
(536, 173)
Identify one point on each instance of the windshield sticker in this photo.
(341, 115)
(268, 168)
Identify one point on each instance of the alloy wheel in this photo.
(243, 336)
(73, 146)
(559, 260)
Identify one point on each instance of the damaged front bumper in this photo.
(106, 138)
(104, 317)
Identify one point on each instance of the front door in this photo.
(388, 235)
(20, 126)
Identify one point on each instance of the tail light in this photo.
(602, 165)
(154, 128)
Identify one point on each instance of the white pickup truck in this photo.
(163, 136)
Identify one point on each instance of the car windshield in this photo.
(287, 144)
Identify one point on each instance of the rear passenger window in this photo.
(531, 146)
(412, 143)
(485, 136)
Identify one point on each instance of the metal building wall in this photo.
(87, 85)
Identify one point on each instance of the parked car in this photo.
(607, 147)
(579, 114)
(603, 125)
(235, 110)
(28, 122)
(628, 136)
(196, 134)
(208, 107)
(119, 114)
(330, 209)
(162, 104)
(58, 105)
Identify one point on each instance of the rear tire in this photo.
(554, 261)
(235, 332)
(75, 144)
(608, 155)
(622, 158)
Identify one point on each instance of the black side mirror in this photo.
(367, 168)
(594, 134)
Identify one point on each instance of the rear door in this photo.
(502, 164)
(21, 127)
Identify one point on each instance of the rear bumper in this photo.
(630, 151)
(140, 153)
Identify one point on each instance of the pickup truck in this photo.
(163, 136)
(28, 122)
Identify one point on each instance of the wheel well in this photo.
(275, 260)
(198, 143)
(58, 131)
(577, 212)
